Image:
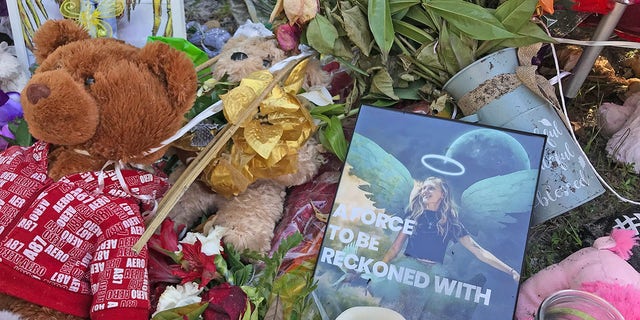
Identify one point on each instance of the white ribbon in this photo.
(117, 168)
(217, 107)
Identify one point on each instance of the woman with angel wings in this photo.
(436, 215)
(493, 194)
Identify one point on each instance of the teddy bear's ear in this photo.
(56, 33)
(175, 69)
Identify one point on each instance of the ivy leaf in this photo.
(321, 34)
(472, 19)
(191, 312)
(355, 24)
(379, 14)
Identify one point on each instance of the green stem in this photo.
(580, 314)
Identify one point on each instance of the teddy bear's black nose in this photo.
(239, 56)
(37, 91)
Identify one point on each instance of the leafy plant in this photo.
(394, 44)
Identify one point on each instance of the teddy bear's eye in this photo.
(266, 63)
(239, 56)
(89, 81)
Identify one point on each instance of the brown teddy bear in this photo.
(71, 206)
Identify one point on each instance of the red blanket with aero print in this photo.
(67, 244)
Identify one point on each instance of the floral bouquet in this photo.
(197, 276)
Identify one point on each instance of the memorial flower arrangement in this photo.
(403, 46)
(197, 276)
(400, 52)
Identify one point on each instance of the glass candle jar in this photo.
(576, 305)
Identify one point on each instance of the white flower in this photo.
(210, 243)
(178, 296)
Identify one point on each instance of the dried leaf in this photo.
(383, 83)
(300, 11)
(428, 56)
(357, 28)
(276, 310)
(321, 34)
(190, 312)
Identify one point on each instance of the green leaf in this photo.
(380, 25)
(321, 34)
(446, 55)
(463, 48)
(472, 19)
(191, 311)
(528, 34)
(356, 26)
(383, 83)
(411, 31)
(332, 137)
(20, 130)
(515, 13)
(535, 32)
(328, 110)
(383, 103)
(419, 15)
(411, 92)
(396, 6)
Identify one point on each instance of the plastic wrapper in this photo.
(301, 206)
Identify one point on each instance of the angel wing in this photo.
(495, 202)
(389, 181)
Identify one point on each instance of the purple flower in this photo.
(5, 132)
(10, 108)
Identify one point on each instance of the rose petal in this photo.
(288, 36)
(225, 302)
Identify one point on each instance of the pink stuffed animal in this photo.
(601, 269)
(621, 123)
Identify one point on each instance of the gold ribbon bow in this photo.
(266, 145)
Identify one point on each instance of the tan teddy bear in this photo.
(71, 206)
(250, 217)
